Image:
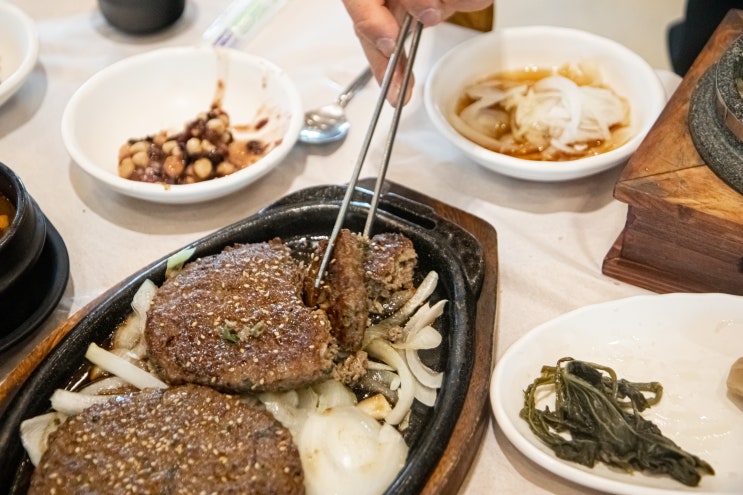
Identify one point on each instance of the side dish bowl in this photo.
(19, 49)
(141, 16)
(163, 90)
(622, 70)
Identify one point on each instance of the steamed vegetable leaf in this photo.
(602, 416)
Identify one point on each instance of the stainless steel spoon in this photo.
(328, 123)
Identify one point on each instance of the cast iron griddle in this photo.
(464, 356)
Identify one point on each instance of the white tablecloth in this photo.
(552, 236)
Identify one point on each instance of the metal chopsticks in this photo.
(414, 30)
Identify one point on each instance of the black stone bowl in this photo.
(299, 218)
(141, 16)
(22, 242)
(34, 265)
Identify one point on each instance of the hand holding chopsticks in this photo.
(413, 28)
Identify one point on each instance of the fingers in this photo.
(428, 12)
(433, 12)
(377, 26)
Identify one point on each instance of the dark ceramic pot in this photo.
(34, 266)
(141, 16)
(21, 244)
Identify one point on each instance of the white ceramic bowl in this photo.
(19, 49)
(162, 90)
(515, 48)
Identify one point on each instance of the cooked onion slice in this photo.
(425, 338)
(71, 403)
(35, 433)
(130, 334)
(176, 261)
(422, 293)
(425, 395)
(346, 451)
(332, 393)
(406, 393)
(122, 368)
(422, 373)
(104, 386)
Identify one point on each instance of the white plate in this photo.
(687, 342)
(162, 90)
(19, 49)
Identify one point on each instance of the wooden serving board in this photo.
(684, 229)
(473, 420)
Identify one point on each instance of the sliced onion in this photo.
(395, 382)
(127, 334)
(422, 293)
(425, 316)
(425, 338)
(425, 395)
(122, 368)
(130, 335)
(346, 451)
(130, 356)
(142, 299)
(377, 366)
(71, 403)
(382, 350)
(290, 398)
(35, 433)
(104, 385)
(283, 407)
(307, 398)
(332, 393)
(175, 263)
(422, 373)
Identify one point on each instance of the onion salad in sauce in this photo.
(548, 114)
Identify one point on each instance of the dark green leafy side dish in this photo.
(602, 416)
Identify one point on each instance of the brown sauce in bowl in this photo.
(7, 212)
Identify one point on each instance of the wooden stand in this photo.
(684, 229)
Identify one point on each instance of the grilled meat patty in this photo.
(187, 439)
(361, 277)
(236, 321)
(343, 295)
(389, 268)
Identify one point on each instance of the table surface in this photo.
(552, 237)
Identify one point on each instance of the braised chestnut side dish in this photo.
(206, 149)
